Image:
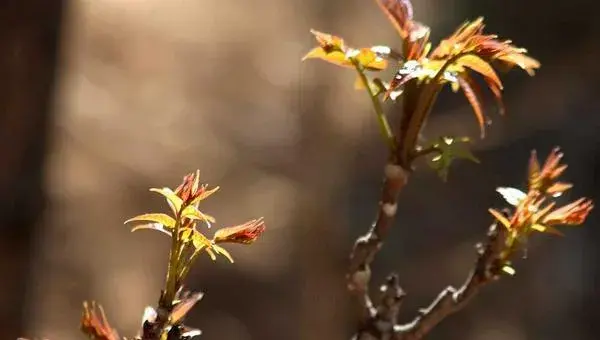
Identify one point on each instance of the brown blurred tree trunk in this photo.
(29, 35)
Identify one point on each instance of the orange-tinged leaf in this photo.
(163, 219)
(366, 57)
(205, 194)
(95, 324)
(469, 29)
(533, 171)
(370, 60)
(525, 62)
(174, 201)
(500, 217)
(328, 41)
(182, 308)
(558, 188)
(473, 95)
(497, 92)
(400, 13)
(335, 57)
(574, 213)
(480, 66)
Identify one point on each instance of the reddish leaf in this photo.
(400, 13)
(245, 233)
(183, 307)
(497, 92)
(480, 66)
(473, 95)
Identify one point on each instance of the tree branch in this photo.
(382, 323)
(367, 246)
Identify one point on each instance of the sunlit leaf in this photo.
(200, 241)
(149, 315)
(163, 219)
(189, 333)
(369, 59)
(574, 213)
(205, 194)
(335, 57)
(473, 95)
(183, 307)
(511, 195)
(187, 234)
(546, 229)
(172, 199)
(480, 66)
(333, 50)
(387, 52)
(497, 92)
(95, 324)
(152, 226)
(400, 13)
(328, 42)
(500, 217)
(410, 70)
(193, 213)
(539, 227)
(533, 171)
(220, 250)
(509, 270)
(211, 254)
(558, 188)
(245, 233)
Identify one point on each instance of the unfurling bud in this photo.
(245, 233)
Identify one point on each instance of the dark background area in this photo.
(102, 100)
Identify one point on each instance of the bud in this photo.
(245, 233)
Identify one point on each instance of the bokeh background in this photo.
(102, 99)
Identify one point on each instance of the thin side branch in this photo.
(488, 268)
(382, 324)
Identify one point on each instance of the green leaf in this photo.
(153, 226)
(449, 149)
(174, 201)
(163, 219)
(220, 250)
(193, 213)
(200, 241)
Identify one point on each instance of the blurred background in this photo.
(101, 100)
